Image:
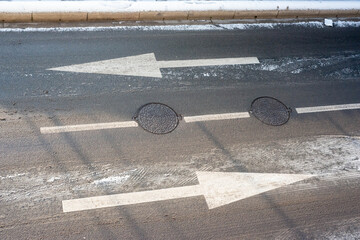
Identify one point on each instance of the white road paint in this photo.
(328, 108)
(86, 127)
(189, 119)
(99, 126)
(212, 117)
(145, 65)
(218, 188)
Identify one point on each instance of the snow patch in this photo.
(301, 65)
(53, 179)
(328, 22)
(111, 180)
(320, 155)
(205, 27)
(330, 157)
(269, 67)
(296, 71)
(117, 28)
(343, 229)
(133, 6)
(347, 24)
(12, 176)
(241, 26)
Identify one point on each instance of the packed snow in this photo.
(133, 6)
(111, 180)
(204, 27)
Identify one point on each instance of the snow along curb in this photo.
(81, 11)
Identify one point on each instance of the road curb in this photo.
(19, 17)
(59, 17)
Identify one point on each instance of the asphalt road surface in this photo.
(302, 66)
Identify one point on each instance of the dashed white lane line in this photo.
(212, 117)
(189, 119)
(86, 127)
(99, 126)
(328, 108)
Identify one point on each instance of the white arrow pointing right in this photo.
(218, 188)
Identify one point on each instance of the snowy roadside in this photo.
(131, 6)
(182, 27)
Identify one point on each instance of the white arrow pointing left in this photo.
(146, 65)
(218, 188)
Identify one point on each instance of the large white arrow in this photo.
(218, 188)
(145, 65)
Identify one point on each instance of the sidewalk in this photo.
(87, 11)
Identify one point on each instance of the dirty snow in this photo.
(205, 27)
(298, 65)
(111, 180)
(12, 176)
(348, 229)
(133, 6)
(347, 24)
(324, 156)
(52, 179)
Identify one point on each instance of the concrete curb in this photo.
(11, 17)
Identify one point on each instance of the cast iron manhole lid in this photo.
(157, 118)
(270, 111)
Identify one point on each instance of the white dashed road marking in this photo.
(328, 108)
(190, 119)
(212, 117)
(87, 127)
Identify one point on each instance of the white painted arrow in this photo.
(145, 65)
(218, 188)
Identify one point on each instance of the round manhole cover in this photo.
(270, 111)
(157, 118)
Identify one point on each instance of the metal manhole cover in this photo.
(270, 111)
(157, 118)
